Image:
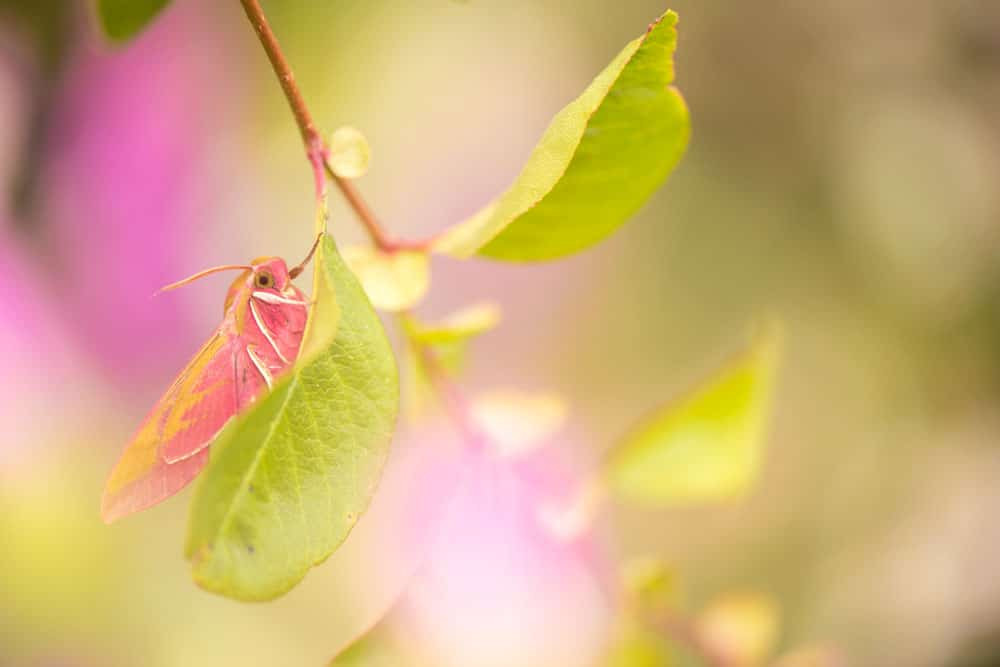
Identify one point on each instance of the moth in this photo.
(258, 341)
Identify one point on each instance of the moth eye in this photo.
(263, 279)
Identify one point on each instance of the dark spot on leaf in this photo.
(250, 549)
(250, 488)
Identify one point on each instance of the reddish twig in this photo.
(451, 396)
(316, 149)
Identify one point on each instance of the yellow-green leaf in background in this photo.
(598, 162)
(123, 19)
(652, 584)
(637, 646)
(706, 446)
(393, 281)
(447, 340)
(348, 152)
(373, 649)
(460, 325)
(287, 481)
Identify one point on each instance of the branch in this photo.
(311, 137)
(316, 150)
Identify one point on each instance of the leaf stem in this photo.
(316, 149)
(452, 399)
(451, 396)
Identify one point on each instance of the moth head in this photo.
(269, 273)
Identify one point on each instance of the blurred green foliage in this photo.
(706, 445)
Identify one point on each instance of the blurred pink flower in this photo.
(495, 587)
(122, 192)
(39, 367)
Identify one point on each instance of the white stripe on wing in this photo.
(264, 330)
(268, 297)
(260, 367)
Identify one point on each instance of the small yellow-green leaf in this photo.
(652, 583)
(743, 627)
(638, 647)
(123, 19)
(393, 281)
(348, 152)
(518, 422)
(287, 480)
(600, 159)
(375, 648)
(448, 341)
(706, 446)
(460, 325)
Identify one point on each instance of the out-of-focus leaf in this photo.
(123, 19)
(349, 152)
(460, 325)
(447, 340)
(741, 626)
(652, 583)
(287, 481)
(516, 421)
(599, 160)
(450, 356)
(375, 648)
(707, 445)
(393, 281)
(638, 647)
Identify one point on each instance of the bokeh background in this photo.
(844, 173)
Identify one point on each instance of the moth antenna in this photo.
(202, 274)
(294, 273)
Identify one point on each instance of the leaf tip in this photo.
(121, 20)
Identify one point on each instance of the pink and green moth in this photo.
(258, 341)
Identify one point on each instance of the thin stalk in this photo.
(316, 149)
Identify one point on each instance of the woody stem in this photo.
(316, 150)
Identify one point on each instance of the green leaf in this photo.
(121, 20)
(348, 152)
(393, 281)
(707, 446)
(600, 159)
(459, 326)
(287, 481)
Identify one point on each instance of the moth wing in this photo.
(282, 324)
(171, 446)
(250, 379)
